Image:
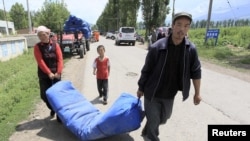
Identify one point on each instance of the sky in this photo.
(90, 10)
(200, 8)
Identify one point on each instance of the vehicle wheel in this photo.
(112, 37)
(87, 45)
(133, 43)
(84, 50)
(81, 52)
(71, 49)
(117, 43)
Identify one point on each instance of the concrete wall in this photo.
(32, 39)
(12, 47)
(4, 30)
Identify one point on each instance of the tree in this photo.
(19, 16)
(118, 13)
(2, 16)
(154, 13)
(53, 15)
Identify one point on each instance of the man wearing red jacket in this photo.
(49, 59)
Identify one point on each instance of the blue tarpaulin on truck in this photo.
(75, 24)
(84, 120)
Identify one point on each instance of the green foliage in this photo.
(232, 47)
(235, 36)
(2, 15)
(154, 13)
(19, 90)
(118, 13)
(245, 60)
(22, 68)
(19, 16)
(53, 15)
(222, 53)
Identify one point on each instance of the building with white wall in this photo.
(4, 25)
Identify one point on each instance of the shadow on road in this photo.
(60, 132)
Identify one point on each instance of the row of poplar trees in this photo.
(119, 13)
(116, 13)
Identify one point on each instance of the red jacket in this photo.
(41, 63)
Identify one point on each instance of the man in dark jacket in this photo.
(170, 65)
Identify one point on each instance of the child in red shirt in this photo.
(101, 68)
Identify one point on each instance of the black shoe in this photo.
(144, 132)
(52, 114)
(58, 119)
(105, 102)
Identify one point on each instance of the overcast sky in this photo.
(90, 10)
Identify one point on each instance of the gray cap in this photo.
(182, 14)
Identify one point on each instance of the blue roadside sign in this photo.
(212, 33)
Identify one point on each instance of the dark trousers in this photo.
(102, 86)
(44, 84)
(157, 112)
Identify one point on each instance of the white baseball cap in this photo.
(42, 29)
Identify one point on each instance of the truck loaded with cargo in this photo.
(75, 36)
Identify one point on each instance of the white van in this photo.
(126, 35)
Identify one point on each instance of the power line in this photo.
(231, 9)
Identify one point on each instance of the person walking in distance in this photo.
(169, 66)
(101, 68)
(153, 35)
(49, 58)
(161, 34)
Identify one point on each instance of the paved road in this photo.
(226, 99)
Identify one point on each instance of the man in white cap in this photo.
(49, 59)
(170, 64)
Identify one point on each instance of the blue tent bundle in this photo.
(73, 24)
(86, 121)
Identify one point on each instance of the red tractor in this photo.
(76, 36)
(74, 43)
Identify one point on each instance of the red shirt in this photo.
(102, 67)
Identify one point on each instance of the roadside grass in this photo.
(238, 59)
(232, 49)
(19, 91)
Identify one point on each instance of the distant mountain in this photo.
(242, 12)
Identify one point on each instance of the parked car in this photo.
(126, 35)
(110, 35)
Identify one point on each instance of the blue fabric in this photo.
(73, 24)
(86, 121)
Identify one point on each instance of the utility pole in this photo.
(29, 18)
(208, 17)
(7, 31)
(117, 16)
(173, 10)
